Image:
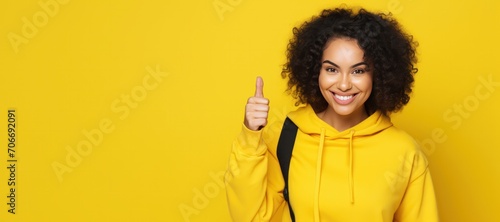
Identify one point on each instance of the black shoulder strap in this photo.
(284, 152)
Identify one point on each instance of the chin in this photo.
(345, 111)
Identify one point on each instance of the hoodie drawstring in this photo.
(351, 182)
(318, 172)
(318, 175)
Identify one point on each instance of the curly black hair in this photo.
(386, 46)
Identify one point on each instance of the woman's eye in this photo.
(358, 71)
(331, 70)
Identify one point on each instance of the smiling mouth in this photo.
(343, 98)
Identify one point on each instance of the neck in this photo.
(341, 122)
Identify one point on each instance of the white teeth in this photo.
(343, 98)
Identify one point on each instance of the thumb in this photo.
(259, 85)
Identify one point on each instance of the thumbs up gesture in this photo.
(257, 108)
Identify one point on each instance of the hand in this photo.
(257, 108)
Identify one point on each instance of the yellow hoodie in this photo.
(371, 172)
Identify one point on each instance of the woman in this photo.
(349, 163)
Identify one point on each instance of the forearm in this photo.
(249, 197)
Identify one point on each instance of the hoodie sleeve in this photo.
(419, 202)
(253, 180)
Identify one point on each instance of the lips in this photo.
(343, 99)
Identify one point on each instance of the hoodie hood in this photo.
(309, 123)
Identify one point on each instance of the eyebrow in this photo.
(355, 65)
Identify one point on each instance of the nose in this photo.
(344, 83)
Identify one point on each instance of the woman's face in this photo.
(345, 78)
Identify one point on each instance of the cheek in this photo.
(365, 84)
(324, 81)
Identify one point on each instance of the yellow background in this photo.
(161, 160)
